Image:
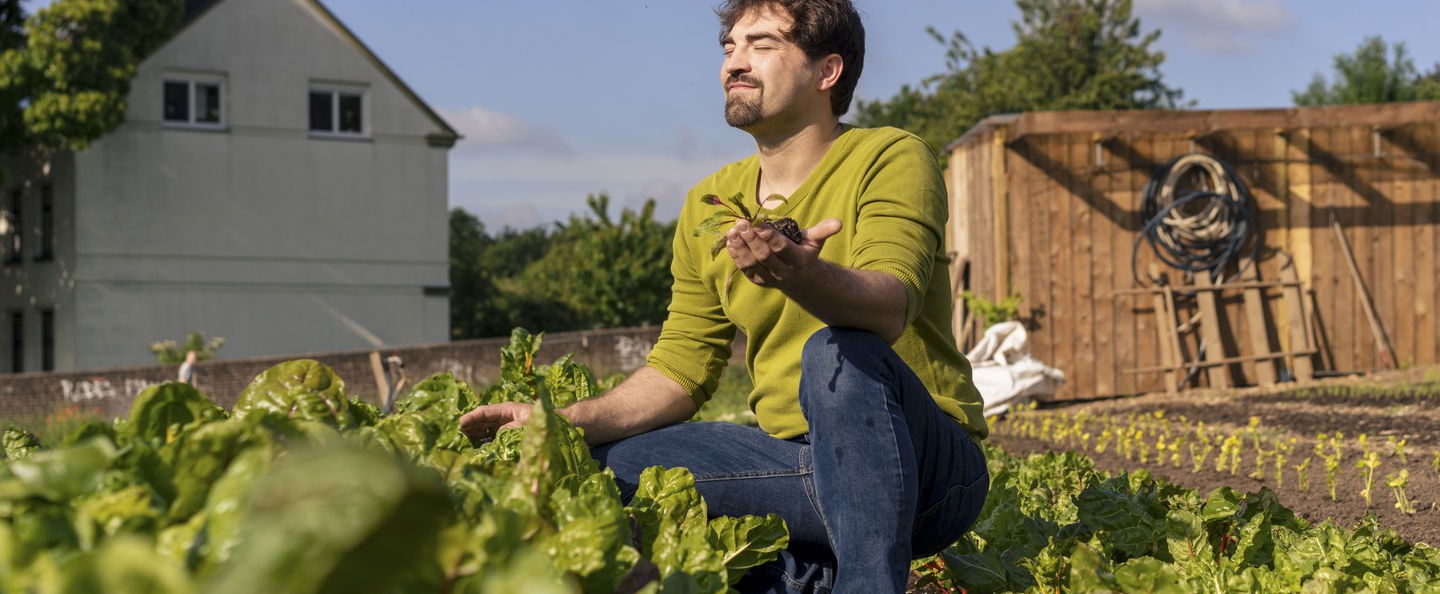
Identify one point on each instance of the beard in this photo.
(743, 111)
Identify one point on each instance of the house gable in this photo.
(270, 52)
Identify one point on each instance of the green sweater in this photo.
(885, 187)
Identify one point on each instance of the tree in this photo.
(1375, 73)
(591, 271)
(65, 72)
(1068, 54)
(610, 273)
(168, 353)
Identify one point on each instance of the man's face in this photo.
(764, 74)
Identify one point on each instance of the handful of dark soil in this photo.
(736, 209)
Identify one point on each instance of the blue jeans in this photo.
(884, 476)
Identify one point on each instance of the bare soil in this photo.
(1404, 414)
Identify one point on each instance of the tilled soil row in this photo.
(1314, 505)
(1415, 420)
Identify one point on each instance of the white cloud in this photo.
(1220, 43)
(487, 129)
(1253, 15)
(1223, 27)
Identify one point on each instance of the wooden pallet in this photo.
(1175, 365)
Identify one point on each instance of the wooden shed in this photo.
(1048, 205)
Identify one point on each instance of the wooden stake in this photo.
(1377, 328)
(1301, 366)
(1210, 327)
(382, 385)
(1259, 334)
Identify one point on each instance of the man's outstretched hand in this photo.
(485, 421)
(769, 259)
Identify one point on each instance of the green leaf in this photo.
(302, 389)
(60, 475)
(20, 443)
(713, 224)
(161, 413)
(336, 520)
(738, 201)
(517, 359)
(1148, 575)
(125, 565)
(748, 541)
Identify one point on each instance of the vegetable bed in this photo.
(300, 488)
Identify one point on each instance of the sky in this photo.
(564, 98)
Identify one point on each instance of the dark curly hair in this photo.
(822, 27)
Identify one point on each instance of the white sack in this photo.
(1004, 371)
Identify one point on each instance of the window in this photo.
(46, 249)
(47, 340)
(17, 342)
(195, 100)
(14, 227)
(337, 110)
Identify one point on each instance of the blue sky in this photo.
(563, 98)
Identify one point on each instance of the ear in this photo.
(831, 67)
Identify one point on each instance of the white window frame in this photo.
(335, 89)
(190, 80)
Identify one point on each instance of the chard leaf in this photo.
(748, 541)
(61, 475)
(303, 389)
(20, 443)
(334, 520)
(161, 413)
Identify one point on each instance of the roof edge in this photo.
(984, 125)
(1202, 122)
(384, 69)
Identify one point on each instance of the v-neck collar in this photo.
(803, 190)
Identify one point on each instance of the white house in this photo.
(274, 183)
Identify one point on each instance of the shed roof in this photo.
(1200, 122)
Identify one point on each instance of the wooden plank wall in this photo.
(1073, 202)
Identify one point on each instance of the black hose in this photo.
(1229, 214)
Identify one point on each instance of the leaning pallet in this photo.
(1177, 369)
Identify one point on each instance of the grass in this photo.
(51, 428)
(730, 401)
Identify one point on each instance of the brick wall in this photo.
(109, 392)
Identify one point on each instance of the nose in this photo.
(735, 64)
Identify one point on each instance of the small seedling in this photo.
(1369, 463)
(1397, 482)
(736, 210)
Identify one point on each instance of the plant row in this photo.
(300, 488)
(1053, 523)
(1271, 456)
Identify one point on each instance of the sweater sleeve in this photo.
(694, 343)
(901, 220)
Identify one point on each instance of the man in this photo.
(867, 451)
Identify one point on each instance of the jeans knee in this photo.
(829, 345)
(834, 359)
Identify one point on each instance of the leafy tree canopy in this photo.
(1375, 73)
(592, 271)
(65, 71)
(1068, 54)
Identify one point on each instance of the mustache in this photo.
(743, 79)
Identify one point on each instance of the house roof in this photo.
(194, 9)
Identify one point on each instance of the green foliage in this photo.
(65, 73)
(1068, 54)
(1053, 524)
(609, 273)
(302, 489)
(992, 312)
(167, 352)
(1375, 73)
(592, 271)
